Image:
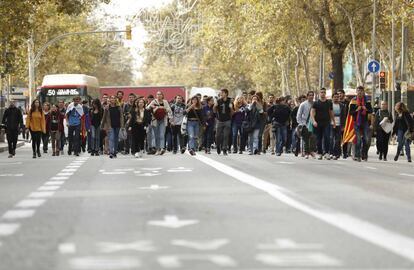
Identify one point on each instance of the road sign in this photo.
(374, 66)
(331, 75)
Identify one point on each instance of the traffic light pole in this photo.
(34, 58)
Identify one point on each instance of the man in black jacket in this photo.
(360, 109)
(13, 121)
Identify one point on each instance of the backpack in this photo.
(160, 113)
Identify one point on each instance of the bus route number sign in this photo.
(62, 92)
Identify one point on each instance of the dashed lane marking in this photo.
(67, 248)
(11, 175)
(298, 259)
(8, 228)
(48, 188)
(371, 168)
(392, 241)
(69, 170)
(113, 173)
(65, 174)
(17, 214)
(29, 203)
(407, 174)
(59, 178)
(41, 194)
(54, 183)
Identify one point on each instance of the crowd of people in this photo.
(311, 126)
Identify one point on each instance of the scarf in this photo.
(361, 115)
(78, 108)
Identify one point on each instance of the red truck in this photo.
(170, 92)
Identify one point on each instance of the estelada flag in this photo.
(349, 131)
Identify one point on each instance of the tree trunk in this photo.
(306, 69)
(297, 80)
(337, 55)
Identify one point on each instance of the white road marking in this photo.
(151, 169)
(370, 168)
(8, 228)
(176, 261)
(203, 245)
(155, 187)
(113, 173)
(10, 163)
(54, 183)
(48, 188)
(286, 162)
(59, 178)
(29, 203)
(65, 174)
(288, 244)
(73, 166)
(407, 174)
(41, 194)
(298, 260)
(148, 174)
(17, 214)
(11, 175)
(67, 248)
(124, 170)
(104, 263)
(176, 170)
(172, 222)
(69, 170)
(394, 242)
(144, 246)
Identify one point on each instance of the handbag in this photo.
(184, 125)
(408, 135)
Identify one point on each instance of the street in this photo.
(204, 212)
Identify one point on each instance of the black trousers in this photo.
(74, 139)
(138, 136)
(382, 142)
(45, 141)
(12, 135)
(36, 139)
(177, 137)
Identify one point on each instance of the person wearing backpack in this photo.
(252, 124)
(161, 112)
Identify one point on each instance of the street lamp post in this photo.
(374, 26)
(392, 60)
(34, 58)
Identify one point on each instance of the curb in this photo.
(5, 148)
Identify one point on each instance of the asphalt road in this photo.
(204, 212)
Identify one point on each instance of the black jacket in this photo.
(133, 119)
(12, 118)
(279, 113)
(405, 122)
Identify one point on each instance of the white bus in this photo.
(66, 86)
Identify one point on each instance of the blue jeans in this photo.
(323, 139)
(254, 140)
(236, 130)
(402, 141)
(95, 138)
(113, 140)
(361, 147)
(336, 142)
(159, 131)
(281, 137)
(193, 129)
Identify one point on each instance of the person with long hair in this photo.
(46, 136)
(96, 114)
(178, 111)
(139, 120)
(194, 116)
(36, 123)
(209, 122)
(403, 124)
(236, 125)
(56, 129)
(382, 116)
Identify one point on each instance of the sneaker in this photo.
(278, 154)
(92, 154)
(209, 151)
(10, 156)
(97, 154)
(320, 157)
(77, 154)
(54, 154)
(38, 154)
(225, 152)
(111, 156)
(234, 151)
(34, 155)
(250, 153)
(409, 160)
(240, 152)
(162, 152)
(335, 158)
(396, 158)
(218, 150)
(313, 154)
(307, 157)
(385, 159)
(158, 153)
(175, 152)
(327, 157)
(273, 153)
(183, 150)
(192, 152)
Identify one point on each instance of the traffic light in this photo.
(382, 76)
(128, 32)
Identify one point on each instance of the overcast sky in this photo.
(128, 8)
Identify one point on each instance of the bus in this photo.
(66, 86)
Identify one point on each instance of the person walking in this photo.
(194, 116)
(139, 119)
(339, 112)
(252, 125)
(382, 118)
(36, 123)
(360, 108)
(322, 117)
(236, 124)
(403, 128)
(74, 114)
(268, 136)
(46, 136)
(96, 114)
(178, 111)
(279, 115)
(224, 110)
(305, 127)
(13, 122)
(112, 121)
(56, 129)
(209, 121)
